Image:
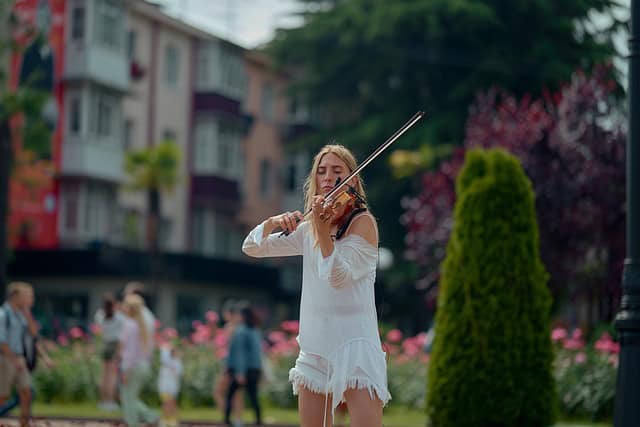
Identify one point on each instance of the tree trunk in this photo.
(153, 229)
(5, 167)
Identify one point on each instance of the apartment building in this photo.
(130, 77)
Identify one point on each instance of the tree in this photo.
(492, 354)
(368, 65)
(154, 170)
(572, 147)
(24, 102)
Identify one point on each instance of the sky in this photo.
(248, 23)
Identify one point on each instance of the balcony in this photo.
(100, 160)
(100, 64)
(215, 192)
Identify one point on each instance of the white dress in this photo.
(170, 373)
(338, 319)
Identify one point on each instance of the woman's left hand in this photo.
(322, 216)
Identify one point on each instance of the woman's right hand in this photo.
(287, 221)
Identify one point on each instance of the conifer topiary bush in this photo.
(491, 364)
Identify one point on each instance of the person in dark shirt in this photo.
(244, 363)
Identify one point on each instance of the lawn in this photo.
(392, 417)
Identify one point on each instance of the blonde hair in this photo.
(133, 305)
(310, 185)
(14, 288)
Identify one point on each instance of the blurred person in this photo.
(137, 288)
(231, 317)
(33, 347)
(110, 321)
(16, 322)
(135, 363)
(244, 364)
(169, 384)
(341, 356)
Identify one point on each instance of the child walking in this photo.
(169, 385)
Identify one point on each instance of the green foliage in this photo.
(154, 168)
(492, 354)
(368, 65)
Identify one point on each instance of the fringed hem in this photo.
(298, 379)
(360, 383)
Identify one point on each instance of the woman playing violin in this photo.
(341, 357)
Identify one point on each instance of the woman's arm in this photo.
(262, 243)
(355, 257)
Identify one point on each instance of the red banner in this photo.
(38, 64)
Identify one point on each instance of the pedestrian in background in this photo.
(245, 363)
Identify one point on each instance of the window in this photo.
(105, 117)
(265, 178)
(171, 65)
(291, 178)
(203, 67)
(131, 44)
(204, 155)
(70, 206)
(110, 24)
(77, 23)
(266, 102)
(75, 116)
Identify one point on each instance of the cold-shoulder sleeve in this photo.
(351, 260)
(274, 245)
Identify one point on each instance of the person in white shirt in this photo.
(169, 385)
(110, 320)
(341, 356)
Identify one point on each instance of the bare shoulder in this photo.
(364, 225)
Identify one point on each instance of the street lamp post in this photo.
(627, 409)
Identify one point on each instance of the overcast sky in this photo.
(248, 23)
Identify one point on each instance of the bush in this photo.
(491, 363)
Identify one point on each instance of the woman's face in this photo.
(330, 168)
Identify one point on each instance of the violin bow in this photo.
(417, 116)
(397, 134)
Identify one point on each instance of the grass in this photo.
(393, 417)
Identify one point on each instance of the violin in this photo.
(354, 204)
(343, 193)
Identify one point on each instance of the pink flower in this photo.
(196, 324)
(394, 336)
(211, 316)
(580, 358)
(291, 326)
(606, 345)
(76, 333)
(559, 334)
(220, 340)
(577, 334)
(573, 344)
(157, 324)
(170, 333)
(277, 336)
(62, 340)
